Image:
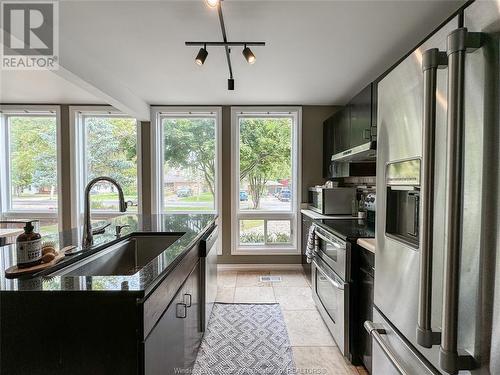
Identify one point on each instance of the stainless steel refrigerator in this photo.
(437, 230)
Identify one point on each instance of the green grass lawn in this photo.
(97, 197)
(203, 197)
(108, 196)
(48, 229)
(250, 224)
(188, 208)
(38, 196)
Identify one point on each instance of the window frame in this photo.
(293, 215)
(157, 175)
(79, 160)
(6, 210)
(157, 159)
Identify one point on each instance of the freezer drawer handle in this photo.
(432, 60)
(376, 332)
(460, 41)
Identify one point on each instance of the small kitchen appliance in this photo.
(332, 201)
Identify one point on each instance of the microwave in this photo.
(332, 201)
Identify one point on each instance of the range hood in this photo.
(365, 152)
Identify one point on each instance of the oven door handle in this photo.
(335, 283)
(376, 333)
(329, 241)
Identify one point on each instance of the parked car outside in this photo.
(184, 192)
(243, 196)
(285, 195)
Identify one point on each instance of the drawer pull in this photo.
(187, 299)
(367, 134)
(181, 310)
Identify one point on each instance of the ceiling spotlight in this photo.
(201, 56)
(212, 3)
(249, 56)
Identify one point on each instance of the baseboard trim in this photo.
(258, 267)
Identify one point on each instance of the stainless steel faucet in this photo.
(88, 233)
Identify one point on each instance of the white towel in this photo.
(311, 243)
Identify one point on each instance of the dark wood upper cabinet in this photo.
(341, 140)
(374, 110)
(328, 139)
(353, 125)
(336, 136)
(361, 117)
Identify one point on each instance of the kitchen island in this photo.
(112, 320)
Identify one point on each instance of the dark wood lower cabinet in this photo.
(363, 273)
(172, 345)
(100, 333)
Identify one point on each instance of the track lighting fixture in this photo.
(212, 3)
(201, 56)
(202, 53)
(249, 56)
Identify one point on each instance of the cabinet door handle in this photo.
(187, 297)
(181, 310)
(365, 132)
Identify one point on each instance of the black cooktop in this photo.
(350, 229)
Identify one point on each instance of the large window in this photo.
(186, 160)
(29, 174)
(265, 178)
(106, 145)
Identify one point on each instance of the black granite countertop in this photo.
(350, 229)
(192, 225)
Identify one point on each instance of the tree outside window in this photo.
(111, 150)
(189, 165)
(33, 162)
(265, 163)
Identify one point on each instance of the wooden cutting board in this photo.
(14, 271)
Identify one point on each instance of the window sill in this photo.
(266, 250)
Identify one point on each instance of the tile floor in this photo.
(314, 350)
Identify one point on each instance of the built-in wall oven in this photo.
(330, 289)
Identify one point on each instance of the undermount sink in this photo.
(124, 258)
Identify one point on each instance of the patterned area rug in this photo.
(245, 339)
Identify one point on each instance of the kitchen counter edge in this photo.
(141, 283)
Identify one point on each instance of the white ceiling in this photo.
(317, 52)
(41, 86)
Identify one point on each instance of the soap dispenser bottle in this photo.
(29, 247)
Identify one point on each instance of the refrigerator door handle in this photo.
(460, 41)
(377, 332)
(432, 60)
